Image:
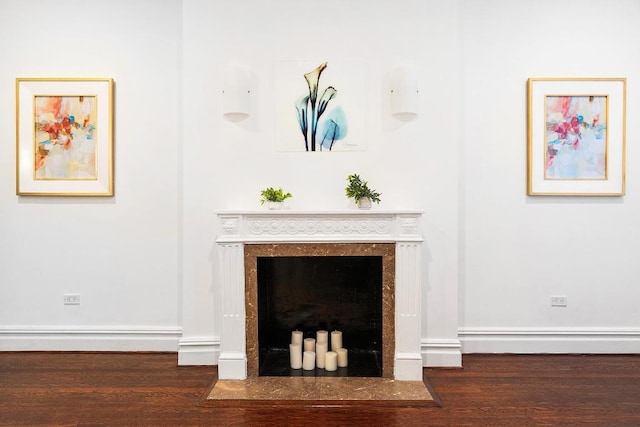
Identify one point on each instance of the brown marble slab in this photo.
(385, 250)
(347, 389)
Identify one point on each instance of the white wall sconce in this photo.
(404, 93)
(236, 94)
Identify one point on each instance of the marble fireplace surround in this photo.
(395, 235)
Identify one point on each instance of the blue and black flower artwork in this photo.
(321, 127)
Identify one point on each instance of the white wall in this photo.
(226, 164)
(120, 254)
(519, 250)
(143, 261)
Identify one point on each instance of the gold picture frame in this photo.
(576, 136)
(64, 137)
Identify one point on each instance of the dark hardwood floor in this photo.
(148, 389)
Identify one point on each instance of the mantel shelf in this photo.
(296, 212)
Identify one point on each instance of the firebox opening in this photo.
(311, 293)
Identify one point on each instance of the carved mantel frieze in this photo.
(300, 226)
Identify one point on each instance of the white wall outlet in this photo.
(71, 299)
(558, 301)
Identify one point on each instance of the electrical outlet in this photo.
(71, 299)
(558, 301)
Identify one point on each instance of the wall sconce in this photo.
(236, 94)
(404, 93)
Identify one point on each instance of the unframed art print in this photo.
(64, 137)
(576, 141)
(320, 106)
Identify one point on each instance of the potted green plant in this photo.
(274, 199)
(359, 191)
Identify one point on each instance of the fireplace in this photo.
(325, 250)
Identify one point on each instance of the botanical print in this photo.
(332, 127)
(65, 140)
(320, 106)
(576, 140)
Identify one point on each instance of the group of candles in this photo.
(309, 353)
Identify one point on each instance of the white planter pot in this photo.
(364, 203)
(274, 205)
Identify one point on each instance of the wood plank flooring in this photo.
(148, 389)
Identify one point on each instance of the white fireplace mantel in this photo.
(237, 228)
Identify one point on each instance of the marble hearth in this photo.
(393, 235)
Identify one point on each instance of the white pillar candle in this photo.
(309, 361)
(295, 356)
(321, 352)
(331, 361)
(336, 340)
(296, 337)
(342, 357)
(309, 344)
(322, 336)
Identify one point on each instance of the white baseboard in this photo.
(435, 352)
(198, 351)
(75, 338)
(550, 340)
(443, 352)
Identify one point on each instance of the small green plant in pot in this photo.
(359, 191)
(273, 198)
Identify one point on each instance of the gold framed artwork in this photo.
(576, 136)
(64, 137)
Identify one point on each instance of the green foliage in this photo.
(272, 195)
(359, 189)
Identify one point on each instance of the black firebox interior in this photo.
(311, 293)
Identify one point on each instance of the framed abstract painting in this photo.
(576, 136)
(64, 137)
